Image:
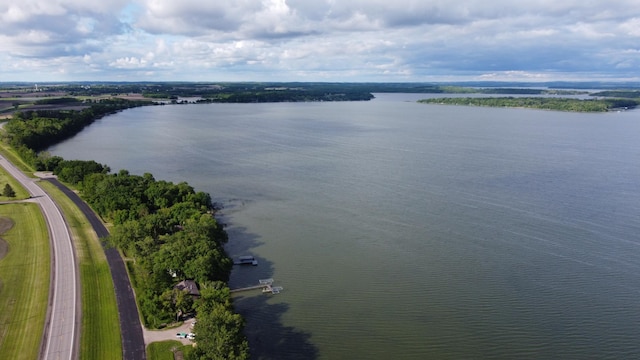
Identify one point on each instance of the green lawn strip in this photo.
(24, 282)
(5, 178)
(135, 279)
(164, 350)
(100, 338)
(20, 192)
(12, 156)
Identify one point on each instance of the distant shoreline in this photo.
(541, 103)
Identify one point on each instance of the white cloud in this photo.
(515, 76)
(631, 27)
(129, 63)
(319, 39)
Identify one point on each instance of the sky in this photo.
(320, 40)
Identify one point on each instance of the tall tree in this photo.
(221, 331)
(8, 191)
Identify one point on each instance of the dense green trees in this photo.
(8, 191)
(73, 171)
(285, 96)
(216, 321)
(260, 92)
(629, 94)
(168, 230)
(57, 101)
(39, 129)
(560, 104)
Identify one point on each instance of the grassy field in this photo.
(12, 156)
(163, 350)
(24, 282)
(5, 178)
(100, 338)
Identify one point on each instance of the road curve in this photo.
(60, 339)
(133, 344)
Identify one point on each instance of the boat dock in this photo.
(246, 260)
(266, 285)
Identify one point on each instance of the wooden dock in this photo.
(266, 285)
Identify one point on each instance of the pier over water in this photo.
(266, 285)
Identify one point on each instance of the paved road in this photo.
(151, 336)
(133, 344)
(60, 341)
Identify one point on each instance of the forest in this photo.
(545, 103)
(168, 232)
(32, 131)
(630, 94)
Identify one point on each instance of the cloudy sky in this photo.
(319, 40)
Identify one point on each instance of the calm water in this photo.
(409, 231)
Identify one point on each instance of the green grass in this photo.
(12, 156)
(21, 193)
(24, 282)
(100, 338)
(132, 270)
(5, 178)
(163, 350)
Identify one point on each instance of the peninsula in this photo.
(544, 103)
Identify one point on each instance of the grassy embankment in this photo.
(12, 156)
(100, 337)
(164, 350)
(24, 277)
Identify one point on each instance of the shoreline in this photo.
(539, 103)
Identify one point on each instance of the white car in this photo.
(191, 336)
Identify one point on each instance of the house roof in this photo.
(189, 285)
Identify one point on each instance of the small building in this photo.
(188, 285)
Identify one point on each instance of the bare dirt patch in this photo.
(132, 96)
(4, 248)
(30, 94)
(5, 225)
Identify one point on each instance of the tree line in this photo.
(168, 231)
(283, 96)
(32, 131)
(630, 94)
(560, 104)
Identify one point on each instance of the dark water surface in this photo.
(409, 231)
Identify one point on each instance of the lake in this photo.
(410, 231)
